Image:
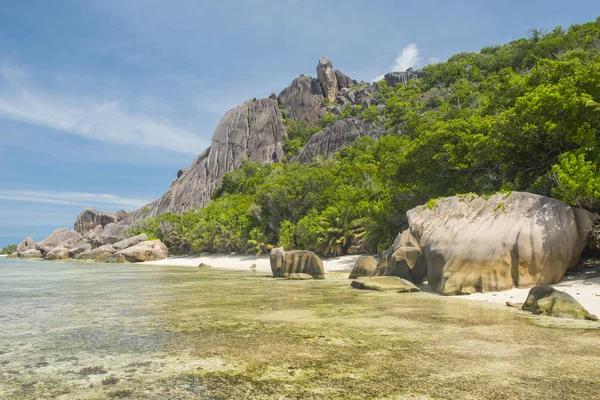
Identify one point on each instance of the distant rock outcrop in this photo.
(26, 245)
(90, 218)
(342, 133)
(394, 78)
(472, 244)
(253, 130)
(327, 77)
(303, 100)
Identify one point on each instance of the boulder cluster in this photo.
(106, 241)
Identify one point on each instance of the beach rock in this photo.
(93, 236)
(116, 258)
(57, 253)
(303, 99)
(204, 266)
(65, 237)
(13, 255)
(364, 267)
(132, 241)
(101, 253)
(90, 218)
(327, 79)
(253, 266)
(545, 300)
(113, 233)
(514, 305)
(404, 259)
(80, 248)
(253, 130)
(84, 255)
(472, 244)
(299, 277)
(384, 283)
(284, 263)
(27, 244)
(151, 250)
(341, 133)
(31, 253)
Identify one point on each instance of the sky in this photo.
(103, 101)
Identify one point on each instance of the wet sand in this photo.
(100, 331)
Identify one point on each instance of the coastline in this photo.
(586, 291)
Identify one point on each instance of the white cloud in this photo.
(107, 121)
(72, 198)
(408, 58)
(434, 60)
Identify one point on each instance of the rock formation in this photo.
(327, 77)
(365, 266)
(471, 244)
(253, 130)
(303, 100)
(26, 245)
(342, 133)
(151, 250)
(132, 241)
(394, 78)
(90, 218)
(385, 283)
(65, 237)
(546, 300)
(404, 259)
(284, 263)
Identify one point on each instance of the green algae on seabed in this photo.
(100, 331)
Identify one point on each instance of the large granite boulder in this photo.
(341, 133)
(31, 253)
(57, 253)
(303, 100)
(546, 300)
(13, 255)
(80, 248)
(113, 233)
(404, 259)
(473, 244)
(101, 253)
(132, 241)
(285, 263)
(26, 245)
(152, 250)
(327, 78)
(65, 237)
(384, 283)
(365, 266)
(90, 218)
(253, 130)
(94, 236)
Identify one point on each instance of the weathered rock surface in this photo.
(101, 253)
(384, 283)
(27, 244)
(80, 248)
(299, 277)
(394, 78)
(57, 253)
(327, 79)
(90, 218)
(342, 133)
(132, 241)
(284, 263)
(303, 99)
(404, 260)
(253, 130)
(31, 253)
(113, 233)
(364, 267)
(65, 237)
(546, 300)
(13, 255)
(471, 244)
(94, 236)
(152, 250)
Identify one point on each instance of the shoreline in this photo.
(586, 291)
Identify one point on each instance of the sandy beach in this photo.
(586, 291)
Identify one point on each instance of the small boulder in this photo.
(57, 253)
(204, 266)
(385, 283)
(365, 266)
(151, 250)
(299, 277)
(26, 244)
(253, 266)
(132, 241)
(545, 300)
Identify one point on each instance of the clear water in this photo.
(98, 331)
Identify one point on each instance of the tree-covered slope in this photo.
(521, 116)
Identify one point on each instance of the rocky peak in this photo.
(394, 78)
(89, 218)
(327, 77)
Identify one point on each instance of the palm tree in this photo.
(591, 103)
(225, 240)
(259, 243)
(342, 231)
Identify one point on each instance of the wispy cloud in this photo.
(408, 58)
(72, 198)
(108, 121)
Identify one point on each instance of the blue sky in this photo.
(102, 101)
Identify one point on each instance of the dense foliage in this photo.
(9, 249)
(522, 116)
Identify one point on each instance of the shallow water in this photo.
(96, 331)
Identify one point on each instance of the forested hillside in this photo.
(522, 116)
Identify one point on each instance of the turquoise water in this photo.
(99, 331)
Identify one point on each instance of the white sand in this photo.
(243, 262)
(586, 292)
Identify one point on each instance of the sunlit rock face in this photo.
(253, 130)
(471, 244)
